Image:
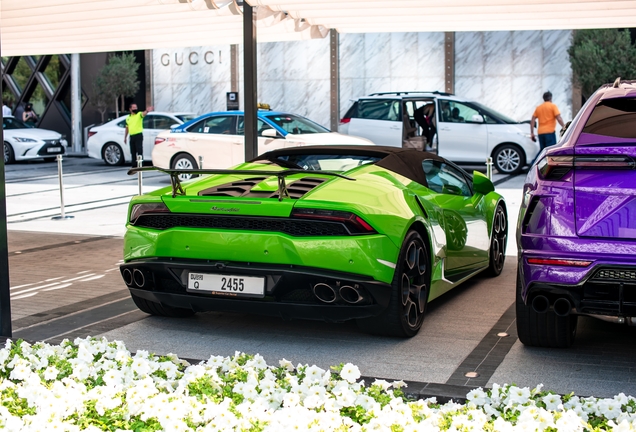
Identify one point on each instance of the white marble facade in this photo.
(508, 71)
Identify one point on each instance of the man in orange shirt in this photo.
(548, 114)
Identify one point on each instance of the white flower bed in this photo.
(95, 385)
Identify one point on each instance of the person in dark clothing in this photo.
(135, 128)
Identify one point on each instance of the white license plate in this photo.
(54, 149)
(234, 286)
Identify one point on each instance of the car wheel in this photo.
(508, 159)
(409, 292)
(113, 154)
(498, 242)
(545, 329)
(184, 161)
(159, 309)
(9, 156)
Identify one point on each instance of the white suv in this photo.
(460, 130)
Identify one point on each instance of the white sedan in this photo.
(217, 139)
(107, 141)
(22, 142)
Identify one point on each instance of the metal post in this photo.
(489, 168)
(60, 174)
(200, 162)
(140, 163)
(449, 61)
(76, 103)
(249, 81)
(234, 66)
(334, 43)
(5, 286)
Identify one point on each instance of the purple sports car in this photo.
(577, 225)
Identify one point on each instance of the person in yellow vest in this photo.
(135, 128)
(548, 115)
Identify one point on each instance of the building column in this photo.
(334, 48)
(150, 97)
(234, 68)
(249, 81)
(449, 62)
(76, 103)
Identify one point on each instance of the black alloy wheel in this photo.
(497, 255)
(508, 159)
(113, 155)
(9, 156)
(409, 296)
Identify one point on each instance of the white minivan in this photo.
(457, 129)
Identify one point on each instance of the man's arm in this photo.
(560, 120)
(149, 109)
(125, 134)
(534, 118)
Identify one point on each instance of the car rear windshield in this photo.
(185, 117)
(324, 162)
(378, 109)
(614, 118)
(13, 123)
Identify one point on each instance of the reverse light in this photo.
(354, 223)
(556, 167)
(559, 262)
(140, 209)
(159, 140)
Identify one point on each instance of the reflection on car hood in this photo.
(32, 133)
(328, 138)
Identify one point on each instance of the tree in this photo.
(103, 95)
(599, 56)
(115, 81)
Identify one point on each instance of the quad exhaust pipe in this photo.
(127, 275)
(351, 295)
(139, 278)
(325, 293)
(134, 277)
(346, 293)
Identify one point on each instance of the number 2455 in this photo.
(232, 284)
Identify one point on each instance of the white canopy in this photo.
(67, 26)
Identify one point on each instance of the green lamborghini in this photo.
(318, 232)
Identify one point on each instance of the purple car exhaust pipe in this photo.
(540, 304)
(562, 307)
(351, 295)
(324, 293)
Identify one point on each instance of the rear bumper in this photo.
(288, 289)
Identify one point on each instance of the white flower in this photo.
(286, 364)
(551, 401)
(519, 395)
(608, 408)
(477, 396)
(51, 373)
(350, 373)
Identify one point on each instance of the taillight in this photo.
(140, 209)
(559, 262)
(91, 133)
(354, 223)
(556, 167)
(345, 120)
(159, 140)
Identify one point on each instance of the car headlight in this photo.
(19, 139)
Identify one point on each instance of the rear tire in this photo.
(497, 254)
(509, 159)
(409, 293)
(547, 329)
(184, 161)
(9, 155)
(112, 154)
(159, 309)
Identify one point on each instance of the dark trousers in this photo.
(547, 140)
(136, 147)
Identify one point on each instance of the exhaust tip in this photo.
(350, 294)
(127, 275)
(562, 307)
(324, 293)
(540, 304)
(139, 278)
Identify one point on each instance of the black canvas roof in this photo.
(406, 162)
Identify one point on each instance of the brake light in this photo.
(345, 120)
(559, 262)
(556, 167)
(140, 209)
(159, 140)
(354, 223)
(91, 133)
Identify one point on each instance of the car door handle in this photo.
(237, 142)
(444, 129)
(193, 138)
(396, 127)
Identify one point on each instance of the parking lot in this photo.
(65, 283)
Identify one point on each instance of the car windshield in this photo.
(185, 117)
(495, 114)
(324, 162)
(13, 123)
(295, 124)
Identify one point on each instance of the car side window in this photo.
(240, 126)
(163, 122)
(223, 125)
(149, 121)
(456, 112)
(380, 109)
(445, 179)
(122, 124)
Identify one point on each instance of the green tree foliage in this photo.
(599, 56)
(115, 81)
(103, 95)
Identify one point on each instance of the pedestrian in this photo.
(548, 115)
(29, 116)
(135, 128)
(6, 109)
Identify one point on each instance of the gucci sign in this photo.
(193, 57)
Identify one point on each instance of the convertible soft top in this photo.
(406, 162)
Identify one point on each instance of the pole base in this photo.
(62, 217)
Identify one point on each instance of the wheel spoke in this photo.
(411, 255)
(410, 310)
(421, 261)
(406, 289)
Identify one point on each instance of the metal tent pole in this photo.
(334, 50)
(249, 81)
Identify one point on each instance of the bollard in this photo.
(200, 162)
(489, 168)
(140, 163)
(60, 174)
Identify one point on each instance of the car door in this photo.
(265, 144)
(215, 140)
(463, 216)
(153, 124)
(379, 120)
(461, 131)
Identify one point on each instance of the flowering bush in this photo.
(94, 385)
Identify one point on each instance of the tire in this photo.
(159, 309)
(409, 292)
(497, 254)
(184, 161)
(509, 159)
(9, 155)
(547, 329)
(113, 155)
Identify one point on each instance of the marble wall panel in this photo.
(351, 55)
(162, 97)
(497, 53)
(526, 96)
(201, 95)
(430, 57)
(404, 55)
(270, 61)
(527, 48)
(556, 60)
(497, 94)
(182, 97)
(377, 50)
(318, 58)
(469, 54)
(272, 92)
(317, 106)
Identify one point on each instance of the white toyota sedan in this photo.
(217, 139)
(22, 142)
(106, 141)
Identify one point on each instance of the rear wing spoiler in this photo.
(177, 188)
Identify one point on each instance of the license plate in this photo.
(229, 285)
(54, 149)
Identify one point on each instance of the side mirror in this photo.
(270, 133)
(482, 184)
(476, 118)
(174, 125)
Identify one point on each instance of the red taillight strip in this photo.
(559, 262)
(345, 120)
(335, 216)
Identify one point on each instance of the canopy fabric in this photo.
(69, 26)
